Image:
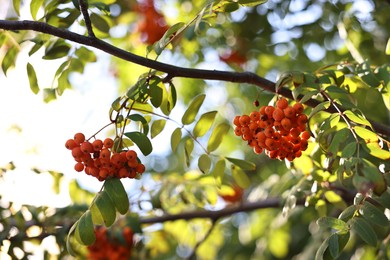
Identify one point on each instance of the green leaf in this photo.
(338, 140)
(204, 163)
(243, 164)
(308, 95)
(364, 230)
(118, 195)
(85, 230)
(387, 51)
(333, 245)
(156, 93)
(204, 123)
(140, 118)
(367, 135)
(175, 138)
(16, 4)
(116, 105)
(334, 120)
(85, 55)
(171, 32)
(192, 110)
(240, 177)
(99, 23)
(32, 78)
(373, 214)
(34, 7)
(57, 50)
(320, 107)
(334, 223)
(219, 172)
(348, 213)
(375, 150)
(217, 136)
(321, 250)
(357, 118)
(103, 210)
(132, 221)
(69, 247)
(251, 2)
(9, 59)
(376, 178)
(188, 148)
(349, 150)
(157, 127)
(142, 141)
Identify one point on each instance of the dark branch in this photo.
(172, 71)
(83, 4)
(217, 214)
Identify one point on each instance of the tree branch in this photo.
(83, 4)
(171, 70)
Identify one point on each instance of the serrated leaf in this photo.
(175, 138)
(243, 164)
(217, 136)
(34, 7)
(219, 172)
(334, 223)
(32, 78)
(103, 210)
(375, 150)
(99, 23)
(366, 134)
(204, 163)
(142, 141)
(204, 123)
(320, 107)
(157, 127)
(142, 120)
(85, 230)
(373, 214)
(357, 118)
(349, 150)
(240, 177)
(192, 110)
(364, 230)
(118, 195)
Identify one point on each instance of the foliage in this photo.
(214, 197)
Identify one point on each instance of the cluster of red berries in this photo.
(111, 246)
(97, 159)
(280, 131)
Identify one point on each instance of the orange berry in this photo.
(87, 147)
(269, 111)
(132, 164)
(116, 159)
(79, 138)
(262, 110)
(278, 114)
(103, 173)
(253, 126)
(271, 144)
(254, 115)
(237, 131)
(305, 135)
(108, 143)
(260, 137)
(105, 153)
(131, 155)
(298, 108)
(286, 124)
(236, 121)
(290, 157)
(282, 103)
(244, 120)
(298, 154)
(269, 132)
(294, 132)
(246, 136)
(289, 112)
(97, 145)
(302, 119)
(140, 168)
(77, 153)
(258, 149)
(123, 172)
(70, 144)
(79, 167)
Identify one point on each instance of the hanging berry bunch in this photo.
(280, 131)
(99, 160)
(108, 246)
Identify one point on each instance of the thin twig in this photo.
(200, 242)
(84, 11)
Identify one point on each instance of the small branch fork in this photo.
(171, 70)
(83, 4)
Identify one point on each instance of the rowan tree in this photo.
(280, 149)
